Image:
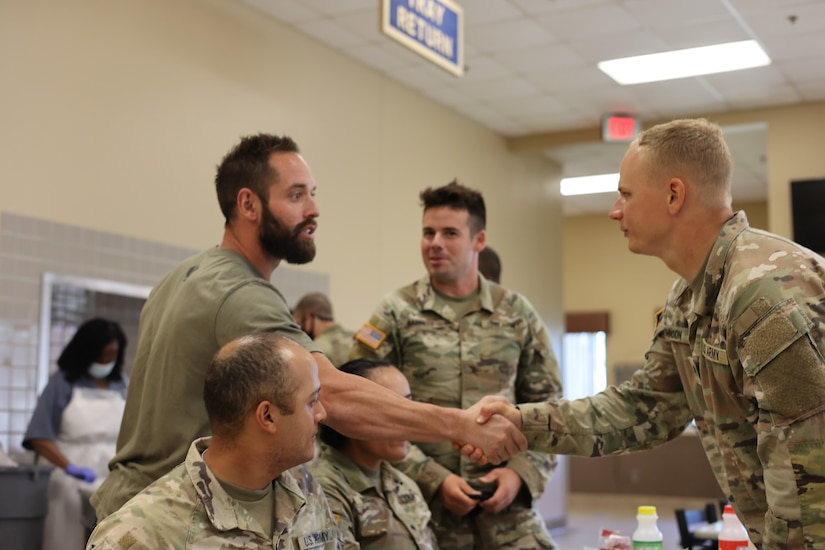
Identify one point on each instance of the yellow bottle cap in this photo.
(647, 511)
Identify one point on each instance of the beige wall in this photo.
(116, 113)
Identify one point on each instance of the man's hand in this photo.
(453, 494)
(495, 404)
(495, 439)
(486, 408)
(81, 472)
(509, 484)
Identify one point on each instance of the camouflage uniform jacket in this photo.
(500, 349)
(740, 351)
(335, 342)
(188, 508)
(367, 519)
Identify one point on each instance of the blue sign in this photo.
(431, 28)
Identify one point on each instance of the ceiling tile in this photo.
(481, 12)
(541, 7)
(330, 32)
(508, 35)
(552, 57)
(481, 68)
(531, 64)
(512, 87)
(363, 23)
(581, 23)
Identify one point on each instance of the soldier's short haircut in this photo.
(315, 303)
(359, 367)
(693, 148)
(458, 197)
(245, 372)
(247, 165)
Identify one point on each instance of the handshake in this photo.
(496, 433)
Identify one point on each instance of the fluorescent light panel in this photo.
(586, 185)
(683, 63)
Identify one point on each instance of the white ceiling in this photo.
(530, 67)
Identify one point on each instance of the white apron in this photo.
(88, 437)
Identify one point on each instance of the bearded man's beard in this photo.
(278, 241)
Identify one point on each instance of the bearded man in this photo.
(266, 193)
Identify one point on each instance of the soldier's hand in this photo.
(491, 411)
(495, 404)
(509, 484)
(454, 492)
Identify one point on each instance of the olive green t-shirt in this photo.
(205, 302)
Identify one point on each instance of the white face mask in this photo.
(98, 370)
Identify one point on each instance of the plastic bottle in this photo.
(733, 535)
(647, 534)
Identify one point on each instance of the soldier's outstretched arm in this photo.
(362, 409)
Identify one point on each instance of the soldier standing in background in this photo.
(489, 265)
(313, 313)
(457, 338)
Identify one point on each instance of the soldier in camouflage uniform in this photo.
(457, 337)
(738, 347)
(375, 505)
(240, 488)
(313, 313)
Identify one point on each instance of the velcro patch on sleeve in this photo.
(772, 333)
(779, 354)
(370, 336)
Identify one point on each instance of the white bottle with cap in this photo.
(647, 535)
(733, 535)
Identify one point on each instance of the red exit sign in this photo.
(620, 127)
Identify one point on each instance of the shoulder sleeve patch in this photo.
(657, 317)
(370, 336)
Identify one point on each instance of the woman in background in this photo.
(376, 506)
(75, 426)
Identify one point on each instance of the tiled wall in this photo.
(30, 247)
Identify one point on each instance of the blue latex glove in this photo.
(81, 472)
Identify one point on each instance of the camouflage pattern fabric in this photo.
(499, 348)
(740, 351)
(188, 508)
(393, 516)
(335, 342)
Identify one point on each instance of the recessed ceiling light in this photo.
(683, 63)
(586, 185)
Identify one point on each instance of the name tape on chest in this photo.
(317, 538)
(406, 498)
(712, 353)
(677, 334)
(370, 336)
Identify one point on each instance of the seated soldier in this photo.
(376, 506)
(239, 487)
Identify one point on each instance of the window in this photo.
(584, 354)
(584, 363)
